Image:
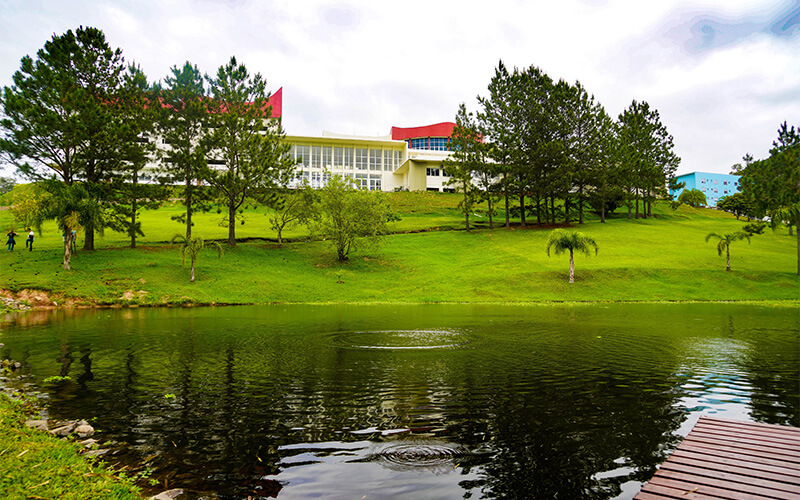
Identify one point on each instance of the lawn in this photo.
(429, 258)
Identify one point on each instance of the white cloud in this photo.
(362, 66)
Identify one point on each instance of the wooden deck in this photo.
(726, 459)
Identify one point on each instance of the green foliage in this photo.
(292, 208)
(754, 228)
(192, 247)
(6, 184)
(245, 138)
(724, 243)
(37, 465)
(737, 204)
(570, 241)
(693, 197)
(349, 217)
(56, 379)
(468, 159)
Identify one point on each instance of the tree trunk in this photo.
(637, 205)
(466, 207)
(231, 223)
(571, 267)
(133, 221)
(522, 210)
(728, 255)
(191, 277)
(280, 240)
(603, 210)
(67, 249)
(489, 200)
(580, 206)
(538, 210)
(505, 194)
(88, 241)
(188, 194)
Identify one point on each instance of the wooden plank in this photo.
(772, 428)
(730, 460)
(704, 464)
(703, 489)
(745, 441)
(662, 492)
(751, 449)
(751, 467)
(718, 482)
(727, 476)
(731, 452)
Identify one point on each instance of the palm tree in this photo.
(192, 247)
(573, 241)
(724, 243)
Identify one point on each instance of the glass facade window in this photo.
(438, 143)
(361, 158)
(327, 156)
(303, 156)
(388, 161)
(348, 158)
(362, 181)
(375, 182)
(432, 172)
(398, 159)
(316, 156)
(338, 158)
(430, 143)
(374, 159)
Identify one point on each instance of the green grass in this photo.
(664, 258)
(36, 465)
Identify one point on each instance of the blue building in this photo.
(714, 186)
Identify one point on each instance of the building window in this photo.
(397, 159)
(438, 144)
(375, 182)
(421, 143)
(432, 172)
(715, 181)
(303, 156)
(316, 156)
(348, 158)
(388, 163)
(374, 159)
(338, 158)
(362, 180)
(361, 159)
(327, 156)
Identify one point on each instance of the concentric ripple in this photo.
(424, 454)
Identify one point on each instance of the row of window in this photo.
(341, 158)
(715, 190)
(435, 172)
(316, 180)
(724, 183)
(430, 143)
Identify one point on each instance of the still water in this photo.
(433, 401)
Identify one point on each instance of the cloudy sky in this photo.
(723, 74)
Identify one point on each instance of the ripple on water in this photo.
(400, 339)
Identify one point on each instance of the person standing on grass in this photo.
(29, 241)
(11, 241)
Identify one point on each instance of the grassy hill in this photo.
(663, 258)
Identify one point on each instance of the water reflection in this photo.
(429, 401)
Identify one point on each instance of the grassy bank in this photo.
(36, 465)
(664, 258)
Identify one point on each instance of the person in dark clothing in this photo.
(11, 241)
(29, 241)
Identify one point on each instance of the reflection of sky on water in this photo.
(715, 382)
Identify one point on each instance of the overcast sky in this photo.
(723, 74)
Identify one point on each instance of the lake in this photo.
(399, 401)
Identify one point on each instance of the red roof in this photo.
(276, 101)
(444, 129)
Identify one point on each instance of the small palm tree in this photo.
(192, 247)
(724, 243)
(573, 241)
